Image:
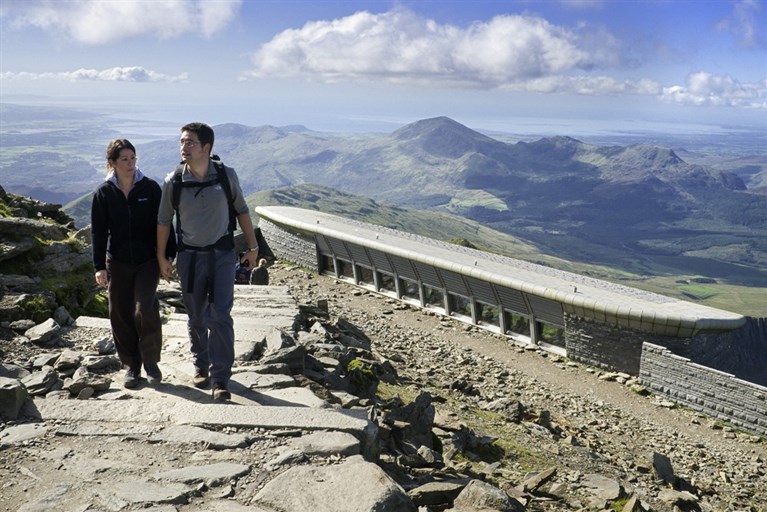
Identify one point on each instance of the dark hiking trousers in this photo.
(210, 324)
(134, 312)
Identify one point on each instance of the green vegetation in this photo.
(502, 448)
(618, 504)
(476, 198)
(98, 307)
(75, 291)
(38, 308)
(362, 377)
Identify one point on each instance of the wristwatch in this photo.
(253, 249)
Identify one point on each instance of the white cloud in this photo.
(744, 23)
(706, 89)
(509, 52)
(118, 74)
(586, 85)
(107, 21)
(399, 46)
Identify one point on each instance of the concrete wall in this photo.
(714, 393)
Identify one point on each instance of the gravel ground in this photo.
(605, 427)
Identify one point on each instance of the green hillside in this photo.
(747, 300)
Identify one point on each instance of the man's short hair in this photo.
(203, 131)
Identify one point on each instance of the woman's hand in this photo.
(166, 268)
(102, 278)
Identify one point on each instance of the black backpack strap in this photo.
(224, 180)
(176, 186)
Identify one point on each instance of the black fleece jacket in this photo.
(125, 229)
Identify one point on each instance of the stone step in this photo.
(258, 400)
(141, 412)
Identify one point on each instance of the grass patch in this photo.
(618, 504)
(38, 308)
(75, 290)
(5, 210)
(504, 448)
(746, 300)
(698, 292)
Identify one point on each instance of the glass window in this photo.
(345, 269)
(386, 282)
(459, 305)
(365, 275)
(410, 289)
(327, 265)
(433, 297)
(550, 334)
(516, 323)
(488, 314)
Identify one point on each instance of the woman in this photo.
(123, 228)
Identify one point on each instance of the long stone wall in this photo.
(717, 394)
(611, 347)
(290, 246)
(602, 346)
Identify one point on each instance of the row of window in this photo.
(452, 304)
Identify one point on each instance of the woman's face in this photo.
(126, 162)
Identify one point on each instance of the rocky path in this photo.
(553, 435)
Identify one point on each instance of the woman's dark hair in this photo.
(203, 131)
(113, 150)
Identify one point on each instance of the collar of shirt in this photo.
(137, 176)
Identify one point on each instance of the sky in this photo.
(560, 67)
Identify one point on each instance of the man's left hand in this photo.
(251, 257)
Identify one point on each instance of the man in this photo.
(206, 257)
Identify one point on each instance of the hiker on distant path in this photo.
(260, 274)
(206, 198)
(123, 220)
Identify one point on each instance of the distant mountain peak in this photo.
(443, 137)
(426, 127)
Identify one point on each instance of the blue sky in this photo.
(561, 67)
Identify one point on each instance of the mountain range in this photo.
(642, 209)
(639, 206)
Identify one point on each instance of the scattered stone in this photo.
(43, 333)
(13, 395)
(663, 469)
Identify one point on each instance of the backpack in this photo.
(221, 178)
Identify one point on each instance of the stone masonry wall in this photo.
(301, 250)
(609, 347)
(712, 392)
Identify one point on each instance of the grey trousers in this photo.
(210, 324)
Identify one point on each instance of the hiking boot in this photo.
(131, 378)
(220, 393)
(153, 373)
(200, 379)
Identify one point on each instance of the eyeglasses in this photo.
(188, 143)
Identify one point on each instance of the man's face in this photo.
(190, 147)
